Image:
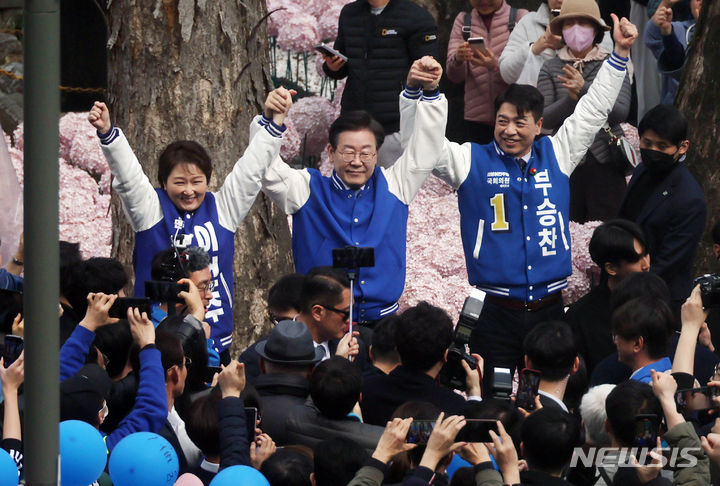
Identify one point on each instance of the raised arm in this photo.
(242, 185)
(424, 148)
(692, 318)
(140, 201)
(234, 446)
(74, 352)
(578, 131)
(12, 377)
(151, 407)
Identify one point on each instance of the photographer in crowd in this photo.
(423, 335)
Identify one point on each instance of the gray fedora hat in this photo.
(290, 343)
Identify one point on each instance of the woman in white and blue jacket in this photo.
(182, 207)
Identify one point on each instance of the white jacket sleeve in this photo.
(242, 185)
(424, 147)
(516, 51)
(140, 201)
(579, 130)
(454, 164)
(288, 188)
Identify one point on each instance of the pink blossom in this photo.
(325, 166)
(297, 31)
(72, 124)
(583, 268)
(291, 144)
(328, 22)
(318, 65)
(435, 260)
(84, 215)
(337, 97)
(311, 117)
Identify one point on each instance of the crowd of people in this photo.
(620, 387)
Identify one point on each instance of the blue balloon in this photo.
(239, 475)
(143, 458)
(9, 475)
(83, 453)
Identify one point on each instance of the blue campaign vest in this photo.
(207, 233)
(514, 226)
(335, 217)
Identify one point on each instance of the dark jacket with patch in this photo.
(380, 50)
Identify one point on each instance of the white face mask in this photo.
(578, 37)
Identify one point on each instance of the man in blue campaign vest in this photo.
(513, 196)
(183, 210)
(362, 204)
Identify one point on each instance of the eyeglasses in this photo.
(345, 313)
(349, 156)
(208, 287)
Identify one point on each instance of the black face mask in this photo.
(656, 161)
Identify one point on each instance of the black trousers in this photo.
(500, 331)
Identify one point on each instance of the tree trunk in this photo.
(198, 69)
(699, 99)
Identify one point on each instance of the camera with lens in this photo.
(709, 289)
(452, 374)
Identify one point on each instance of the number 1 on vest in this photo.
(498, 204)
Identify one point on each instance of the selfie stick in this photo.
(352, 275)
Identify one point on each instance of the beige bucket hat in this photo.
(586, 9)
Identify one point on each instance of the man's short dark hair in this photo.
(614, 242)
(285, 294)
(524, 98)
(667, 121)
(336, 274)
(337, 460)
(550, 346)
(352, 121)
(423, 334)
(716, 232)
(171, 350)
(335, 387)
(69, 257)
(287, 468)
(639, 284)
(166, 266)
(320, 290)
(194, 345)
(97, 274)
(183, 152)
(201, 423)
(115, 341)
(384, 347)
(625, 401)
(648, 317)
(549, 436)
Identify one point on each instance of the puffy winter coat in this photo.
(481, 85)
